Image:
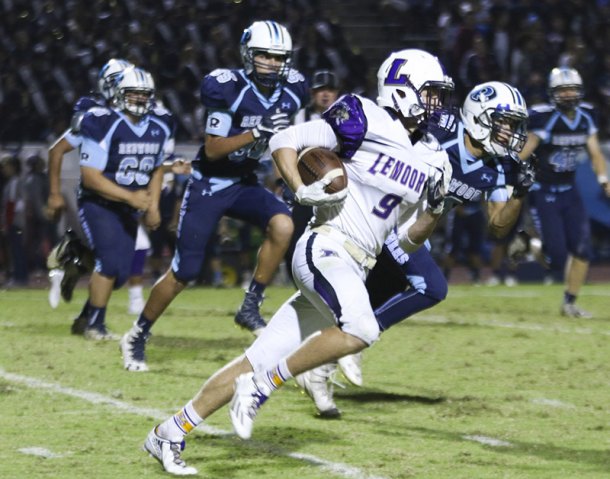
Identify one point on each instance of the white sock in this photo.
(274, 378)
(180, 424)
(136, 292)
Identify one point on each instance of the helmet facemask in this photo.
(508, 132)
(567, 97)
(267, 74)
(565, 88)
(135, 92)
(495, 116)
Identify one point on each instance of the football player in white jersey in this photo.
(394, 171)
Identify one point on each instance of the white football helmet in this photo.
(402, 79)
(106, 78)
(495, 115)
(271, 38)
(135, 91)
(564, 78)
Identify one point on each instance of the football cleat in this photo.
(248, 316)
(519, 247)
(351, 367)
(168, 454)
(132, 346)
(247, 400)
(319, 387)
(56, 275)
(99, 333)
(573, 311)
(79, 325)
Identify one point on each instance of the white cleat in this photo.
(132, 347)
(318, 386)
(351, 367)
(55, 277)
(573, 311)
(168, 454)
(247, 400)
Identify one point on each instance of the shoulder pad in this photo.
(585, 105)
(217, 86)
(85, 103)
(347, 119)
(75, 122)
(295, 76)
(541, 108)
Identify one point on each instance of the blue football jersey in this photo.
(562, 141)
(474, 179)
(233, 105)
(127, 154)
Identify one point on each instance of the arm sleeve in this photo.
(298, 137)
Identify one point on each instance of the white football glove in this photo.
(314, 194)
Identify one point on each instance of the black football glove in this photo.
(525, 177)
(270, 125)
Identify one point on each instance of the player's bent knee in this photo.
(280, 228)
(364, 328)
(117, 270)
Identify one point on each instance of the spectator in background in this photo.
(478, 64)
(12, 221)
(40, 233)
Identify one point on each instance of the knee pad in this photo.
(364, 327)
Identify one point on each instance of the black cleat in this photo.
(249, 316)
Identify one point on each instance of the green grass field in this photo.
(492, 383)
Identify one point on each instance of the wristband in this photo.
(601, 179)
(256, 133)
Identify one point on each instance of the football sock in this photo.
(144, 323)
(256, 287)
(569, 298)
(96, 317)
(274, 378)
(136, 292)
(180, 424)
(85, 311)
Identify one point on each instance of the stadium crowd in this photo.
(52, 51)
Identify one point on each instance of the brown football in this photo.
(315, 163)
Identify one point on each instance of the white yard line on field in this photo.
(488, 441)
(499, 324)
(40, 452)
(339, 469)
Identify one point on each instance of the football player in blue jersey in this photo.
(121, 153)
(244, 108)
(70, 258)
(562, 134)
(482, 145)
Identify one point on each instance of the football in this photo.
(315, 163)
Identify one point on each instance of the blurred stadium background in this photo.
(51, 52)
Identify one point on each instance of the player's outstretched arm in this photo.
(55, 201)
